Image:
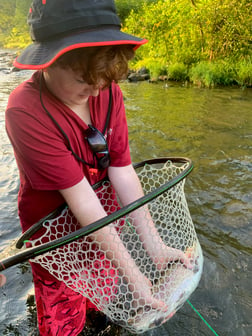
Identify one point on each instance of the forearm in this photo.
(111, 244)
(128, 187)
(87, 208)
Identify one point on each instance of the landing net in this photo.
(83, 267)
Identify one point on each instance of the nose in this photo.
(93, 90)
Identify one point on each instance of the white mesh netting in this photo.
(85, 268)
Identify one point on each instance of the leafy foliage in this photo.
(186, 37)
(178, 71)
(244, 73)
(192, 32)
(14, 30)
(213, 73)
(124, 7)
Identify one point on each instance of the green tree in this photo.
(6, 18)
(226, 27)
(124, 7)
(13, 19)
(189, 31)
(169, 26)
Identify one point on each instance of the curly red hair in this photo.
(98, 64)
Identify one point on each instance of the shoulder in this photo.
(101, 102)
(25, 119)
(115, 89)
(117, 96)
(23, 103)
(26, 94)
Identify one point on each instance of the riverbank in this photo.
(203, 74)
(7, 57)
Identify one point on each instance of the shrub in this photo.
(155, 67)
(210, 74)
(178, 72)
(244, 73)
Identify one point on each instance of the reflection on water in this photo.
(213, 128)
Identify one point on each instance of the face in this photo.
(69, 87)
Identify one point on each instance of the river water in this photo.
(213, 127)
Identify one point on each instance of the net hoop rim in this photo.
(84, 231)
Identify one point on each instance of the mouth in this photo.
(83, 96)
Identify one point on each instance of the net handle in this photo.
(84, 231)
(35, 227)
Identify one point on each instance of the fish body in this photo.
(174, 286)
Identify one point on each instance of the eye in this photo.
(81, 81)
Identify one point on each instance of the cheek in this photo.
(70, 90)
(96, 92)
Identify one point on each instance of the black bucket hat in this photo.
(58, 26)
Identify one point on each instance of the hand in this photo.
(165, 255)
(149, 311)
(143, 295)
(2, 280)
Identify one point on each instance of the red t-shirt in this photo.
(45, 163)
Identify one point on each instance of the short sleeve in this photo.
(41, 152)
(118, 130)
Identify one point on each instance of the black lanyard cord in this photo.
(63, 132)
